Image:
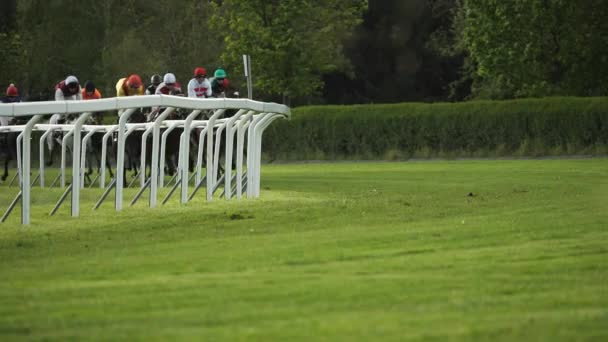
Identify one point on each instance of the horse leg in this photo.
(108, 164)
(5, 175)
(49, 161)
(89, 172)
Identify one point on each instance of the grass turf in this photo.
(500, 250)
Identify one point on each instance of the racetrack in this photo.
(504, 249)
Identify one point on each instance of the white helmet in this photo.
(169, 78)
(71, 79)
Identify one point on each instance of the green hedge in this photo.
(528, 127)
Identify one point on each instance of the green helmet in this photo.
(220, 73)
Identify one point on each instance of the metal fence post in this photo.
(76, 164)
(25, 170)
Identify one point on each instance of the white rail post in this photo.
(209, 166)
(76, 164)
(154, 164)
(240, 146)
(83, 153)
(216, 155)
(199, 155)
(19, 158)
(142, 162)
(260, 128)
(25, 169)
(251, 153)
(41, 146)
(163, 148)
(120, 156)
(185, 152)
(64, 146)
(104, 155)
(229, 144)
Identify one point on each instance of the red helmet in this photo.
(200, 72)
(12, 91)
(134, 81)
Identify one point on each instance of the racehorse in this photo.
(8, 148)
(94, 147)
(133, 143)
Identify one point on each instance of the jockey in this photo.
(199, 86)
(67, 90)
(90, 92)
(155, 80)
(129, 86)
(219, 83)
(170, 86)
(12, 96)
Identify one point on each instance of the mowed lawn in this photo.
(460, 250)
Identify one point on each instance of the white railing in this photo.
(252, 118)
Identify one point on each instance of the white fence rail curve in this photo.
(251, 119)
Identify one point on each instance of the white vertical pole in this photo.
(154, 164)
(247, 68)
(120, 157)
(142, 164)
(25, 170)
(83, 153)
(104, 152)
(199, 156)
(216, 154)
(163, 147)
(20, 157)
(209, 165)
(260, 128)
(41, 152)
(76, 164)
(185, 153)
(229, 144)
(251, 152)
(240, 146)
(64, 146)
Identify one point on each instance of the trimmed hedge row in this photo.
(528, 127)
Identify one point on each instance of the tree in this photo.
(292, 43)
(11, 53)
(397, 55)
(526, 48)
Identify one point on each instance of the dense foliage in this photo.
(528, 127)
(524, 48)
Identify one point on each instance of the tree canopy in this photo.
(324, 51)
(527, 48)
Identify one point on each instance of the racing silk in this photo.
(217, 87)
(199, 89)
(122, 89)
(151, 90)
(162, 89)
(11, 99)
(62, 93)
(96, 95)
(4, 121)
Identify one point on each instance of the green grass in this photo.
(348, 251)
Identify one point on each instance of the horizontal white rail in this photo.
(118, 103)
(126, 107)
